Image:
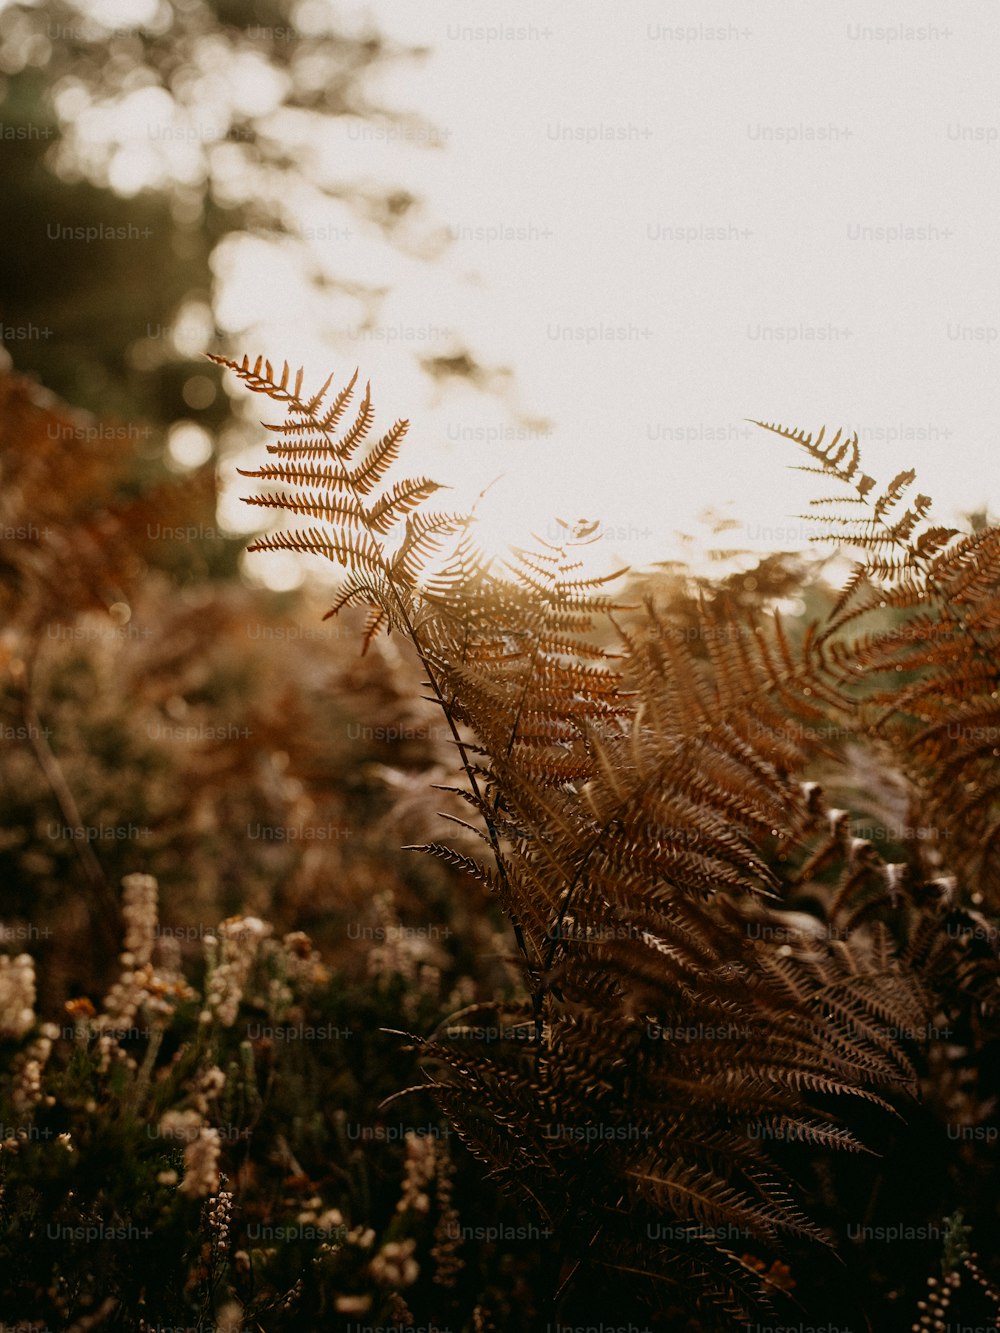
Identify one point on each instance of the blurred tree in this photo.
(156, 718)
(134, 140)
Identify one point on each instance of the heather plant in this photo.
(208, 1153)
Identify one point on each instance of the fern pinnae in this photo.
(366, 474)
(329, 508)
(398, 501)
(295, 473)
(260, 378)
(348, 550)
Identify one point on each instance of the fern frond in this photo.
(328, 508)
(400, 500)
(261, 379)
(373, 467)
(351, 551)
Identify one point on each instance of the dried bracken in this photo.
(640, 812)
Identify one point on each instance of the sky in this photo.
(659, 221)
(715, 212)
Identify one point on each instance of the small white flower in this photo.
(394, 1264)
(184, 1125)
(240, 938)
(353, 1304)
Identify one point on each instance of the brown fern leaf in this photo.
(261, 379)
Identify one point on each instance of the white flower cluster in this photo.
(183, 1125)
(139, 986)
(210, 1084)
(394, 1265)
(421, 1160)
(299, 968)
(202, 1144)
(107, 1049)
(292, 1295)
(934, 1310)
(302, 963)
(218, 1216)
(139, 908)
(313, 1214)
(403, 953)
(28, 1069)
(17, 995)
(201, 1164)
(393, 954)
(230, 956)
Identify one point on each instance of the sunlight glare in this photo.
(114, 14)
(255, 87)
(232, 513)
(188, 445)
(282, 571)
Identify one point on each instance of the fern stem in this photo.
(432, 678)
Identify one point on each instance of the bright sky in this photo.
(787, 212)
(662, 222)
(905, 335)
